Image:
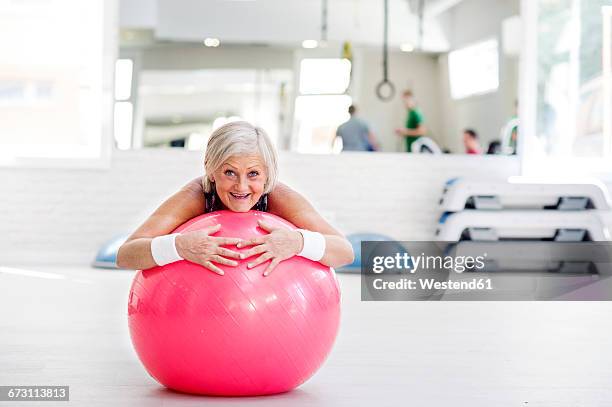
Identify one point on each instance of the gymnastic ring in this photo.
(381, 86)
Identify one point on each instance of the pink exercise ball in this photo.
(240, 334)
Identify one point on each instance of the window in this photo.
(317, 117)
(566, 89)
(322, 104)
(123, 79)
(474, 69)
(55, 85)
(324, 76)
(124, 108)
(568, 130)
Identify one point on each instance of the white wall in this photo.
(246, 22)
(474, 20)
(63, 216)
(469, 22)
(486, 114)
(197, 56)
(138, 13)
(415, 71)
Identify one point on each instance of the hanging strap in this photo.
(385, 90)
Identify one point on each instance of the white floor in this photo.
(67, 326)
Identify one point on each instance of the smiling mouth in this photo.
(240, 196)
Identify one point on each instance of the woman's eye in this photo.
(229, 173)
(253, 174)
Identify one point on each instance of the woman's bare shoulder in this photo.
(194, 196)
(283, 196)
(183, 205)
(294, 207)
(195, 186)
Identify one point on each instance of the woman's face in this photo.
(240, 182)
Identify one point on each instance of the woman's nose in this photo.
(243, 184)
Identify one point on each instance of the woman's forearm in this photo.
(338, 252)
(136, 254)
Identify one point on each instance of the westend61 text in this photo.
(432, 284)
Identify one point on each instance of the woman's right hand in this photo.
(201, 248)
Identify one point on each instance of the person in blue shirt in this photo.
(356, 134)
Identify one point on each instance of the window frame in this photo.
(82, 159)
(533, 163)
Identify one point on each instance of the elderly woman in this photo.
(240, 175)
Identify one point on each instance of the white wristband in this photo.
(163, 249)
(314, 245)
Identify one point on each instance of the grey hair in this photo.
(239, 138)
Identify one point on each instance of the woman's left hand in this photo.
(280, 244)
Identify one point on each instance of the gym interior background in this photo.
(105, 110)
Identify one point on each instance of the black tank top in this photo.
(213, 203)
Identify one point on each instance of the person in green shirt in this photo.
(414, 121)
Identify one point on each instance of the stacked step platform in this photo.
(518, 220)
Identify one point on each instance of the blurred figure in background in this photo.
(470, 141)
(356, 134)
(494, 147)
(414, 121)
(509, 133)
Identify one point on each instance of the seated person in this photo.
(470, 141)
(494, 147)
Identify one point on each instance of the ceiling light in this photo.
(407, 47)
(212, 42)
(309, 44)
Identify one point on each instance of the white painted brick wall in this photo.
(60, 216)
